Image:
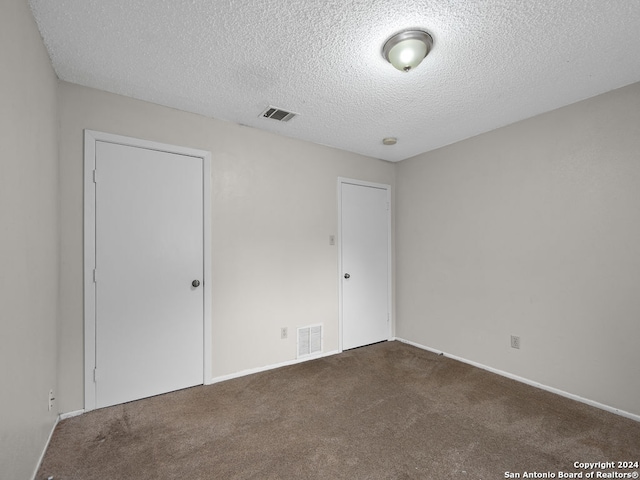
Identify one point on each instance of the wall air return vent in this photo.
(309, 340)
(275, 113)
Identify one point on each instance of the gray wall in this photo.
(274, 206)
(28, 241)
(532, 230)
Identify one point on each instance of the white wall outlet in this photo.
(515, 341)
(51, 399)
(283, 333)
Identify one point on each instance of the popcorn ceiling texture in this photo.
(494, 62)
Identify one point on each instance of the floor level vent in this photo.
(309, 340)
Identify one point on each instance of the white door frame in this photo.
(351, 181)
(90, 139)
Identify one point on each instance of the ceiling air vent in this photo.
(275, 113)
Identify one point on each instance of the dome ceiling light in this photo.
(405, 50)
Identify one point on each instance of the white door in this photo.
(149, 250)
(365, 278)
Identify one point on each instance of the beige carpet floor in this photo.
(386, 411)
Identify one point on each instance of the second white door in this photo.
(149, 272)
(365, 278)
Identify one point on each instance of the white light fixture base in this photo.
(405, 50)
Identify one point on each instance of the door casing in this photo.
(90, 139)
(387, 188)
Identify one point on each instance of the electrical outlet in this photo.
(283, 333)
(51, 399)
(515, 341)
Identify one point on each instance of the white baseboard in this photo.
(75, 413)
(60, 417)
(242, 373)
(44, 450)
(562, 393)
(251, 371)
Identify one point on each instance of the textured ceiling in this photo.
(494, 62)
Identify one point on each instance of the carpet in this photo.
(386, 411)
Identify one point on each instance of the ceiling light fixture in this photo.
(390, 141)
(405, 50)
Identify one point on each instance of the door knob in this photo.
(195, 283)
(346, 275)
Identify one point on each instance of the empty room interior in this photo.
(489, 193)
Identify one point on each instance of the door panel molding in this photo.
(387, 188)
(90, 139)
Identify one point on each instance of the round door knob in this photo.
(346, 275)
(195, 283)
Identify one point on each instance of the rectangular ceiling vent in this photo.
(278, 114)
(309, 340)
